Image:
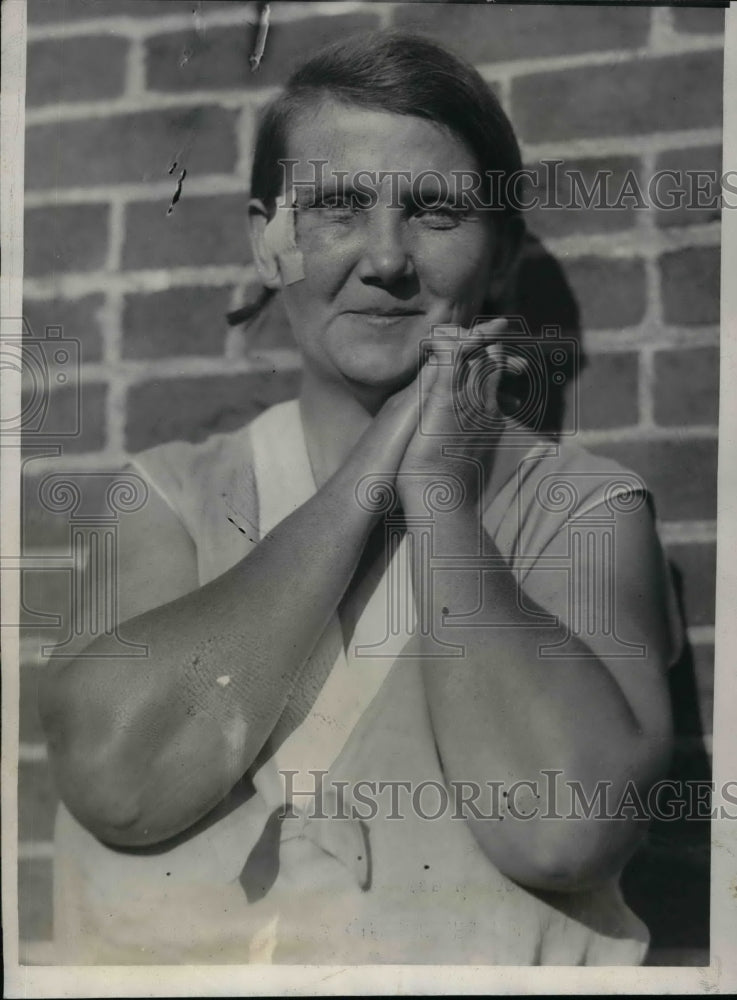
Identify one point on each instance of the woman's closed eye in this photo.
(345, 208)
(440, 216)
(334, 209)
(345, 212)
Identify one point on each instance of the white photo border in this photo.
(228, 980)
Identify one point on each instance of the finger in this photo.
(490, 328)
(402, 410)
(475, 339)
(495, 362)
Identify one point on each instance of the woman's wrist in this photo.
(349, 496)
(455, 514)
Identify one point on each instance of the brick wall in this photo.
(120, 90)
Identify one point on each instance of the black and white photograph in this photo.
(361, 437)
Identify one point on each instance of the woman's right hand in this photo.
(382, 446)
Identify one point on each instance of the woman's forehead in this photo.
(352, 139)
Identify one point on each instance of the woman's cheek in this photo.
(455, 266)
(328, 253)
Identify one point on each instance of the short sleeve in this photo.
(165, 468)
(571, 498)
(211, 488)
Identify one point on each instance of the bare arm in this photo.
(142, 748)
(504, 712)
(507, 713)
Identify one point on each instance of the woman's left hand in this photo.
(460, 422)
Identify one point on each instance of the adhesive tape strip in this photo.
(280, 238)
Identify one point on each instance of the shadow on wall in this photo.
(542, 296)
(667, 882)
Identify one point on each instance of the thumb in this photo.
(438, 407)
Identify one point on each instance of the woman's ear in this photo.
(264, 257)
(507, 252)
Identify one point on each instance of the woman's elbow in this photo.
(85, 760)
(570, 854)
(574, 855)
(131, 775)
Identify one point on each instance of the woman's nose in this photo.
(385, 257)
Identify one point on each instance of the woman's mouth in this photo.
(383, 317)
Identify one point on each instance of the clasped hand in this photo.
(458, 421)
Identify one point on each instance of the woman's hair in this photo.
(399, 73)
(396, 72)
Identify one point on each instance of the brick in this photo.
(176, 322)
(703, 668)
(79, 409)
(687, 386)
(35, 907)
(49, 11)
(29, 723)
(689, 281)
(493, 34)
(131, 149)
(680, 474)
(696, 565)
(37, 801)
(90, 68)
(632, 98)
(193, 408)
(201, 231)
(697, 206)
(562, 207)
(219, 57)
(607, 391)
(80, 319)
(611, 291)
(65, 238)
(699, 20)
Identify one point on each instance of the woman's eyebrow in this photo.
(317, 191)
(428, 192)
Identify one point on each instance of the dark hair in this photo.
(387, 71)
(396, 72)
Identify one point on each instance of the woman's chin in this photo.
(378, 370)
(380, 379)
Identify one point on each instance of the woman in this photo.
(291, 640)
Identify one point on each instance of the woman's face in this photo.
(377, 279)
